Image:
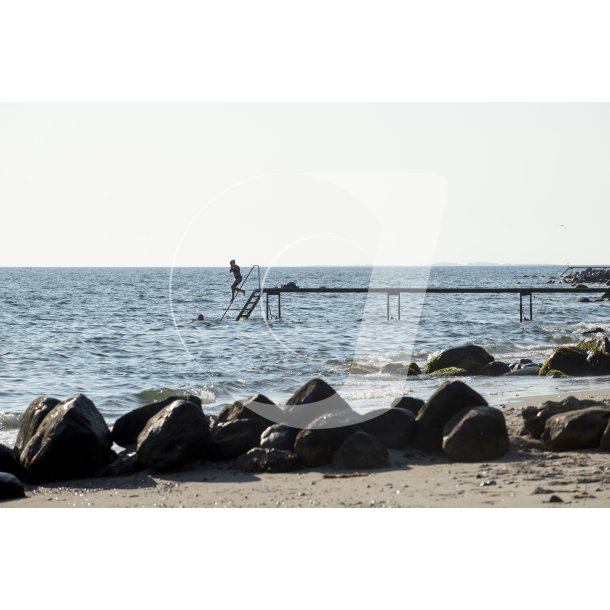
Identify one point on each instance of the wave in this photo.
(9, 421)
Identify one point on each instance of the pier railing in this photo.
(522, 292)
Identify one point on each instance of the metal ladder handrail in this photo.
(239, 287)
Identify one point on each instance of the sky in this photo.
(303, 184)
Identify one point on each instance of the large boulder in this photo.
(125, 464)
(315, 399)
(476, 435)
(262, 459)
(468, 357)
(567, 359)
(255, 407)
(231, 439)
(448, 399)
(534, 418)
(316, 444)
(127, 428)
(30, 420)
(576, 429)
(360, 451)
(172, 437)
(408, 402)
(8, 462)
(71, 442)
(279, 436)
(11, 487)
(395, 427)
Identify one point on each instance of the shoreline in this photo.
(525, 477)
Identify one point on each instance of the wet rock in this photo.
(229, 440)
(534, 418)
(8, 462)
(255, 407)
(71, 442)
(584, 300)
(264, 459)
(360, 451)
(279, 436)
(316, 444)
(314, 399)
(11, 488)
(127, 428)
(394, 428)
(362, 369)
(414, 370)
(606, 296)
(567, 359)
(172, 437)
(476, 435)
(525, 371)
(592, 331)
(408, 402)
(396, 368)
(576, 429)
(448, 399)
(468, 357)
(451, 371)
(34, 414)
(555, 375)
(495, 369)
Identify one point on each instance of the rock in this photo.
(555, 375)
(360, 451)
(394, 428)
(448, 399)
(494, 369)
(362, 369)
(8, 462)
(262, 459)
(534, 418)
(125, 464)
(592, 331)
(34, 414)
(71, 442)
(576, 429)
(567, 359)
(451, 371)
(525, 371)
(584, 300)
(231, 439)
(11, 487)
(279, 436)
(126, 428)
(255, 407)
(414, 370)
(396, 368)
(476, 435)
(172, 437)
(469, 357)
(408, 402)
(314, 399)
(604, 443)
(316, 444)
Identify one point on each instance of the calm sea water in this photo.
(125, 337)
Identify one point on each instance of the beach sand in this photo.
(525, 477)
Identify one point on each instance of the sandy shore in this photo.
(525, 477)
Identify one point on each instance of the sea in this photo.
(126, 337)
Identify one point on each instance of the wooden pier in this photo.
(522, 292)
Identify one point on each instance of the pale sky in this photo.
(303, 184)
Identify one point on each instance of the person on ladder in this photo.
(236, 271)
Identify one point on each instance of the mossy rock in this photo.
(567, 359)
(469, 357)
(451, 371)
(553, 374)
(584, 300)
(413, 369)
